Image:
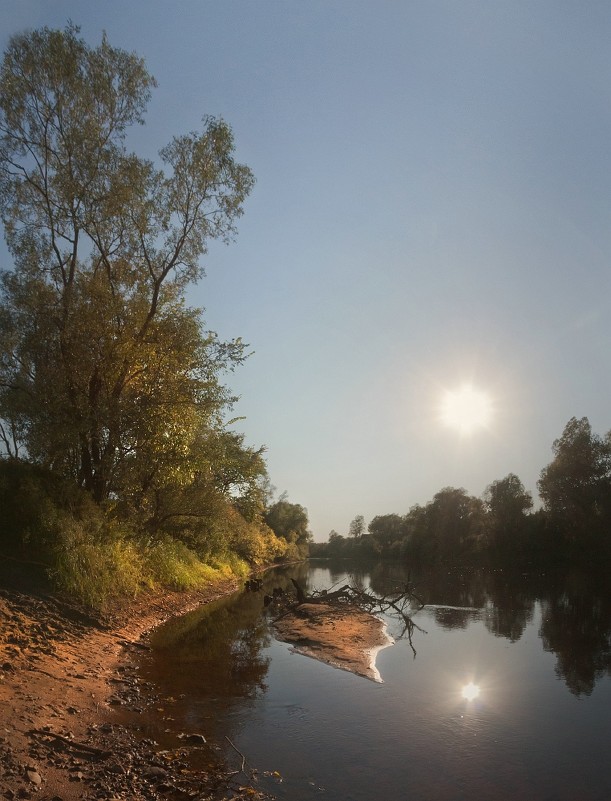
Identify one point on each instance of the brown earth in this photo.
(340, 635)
(64, 678)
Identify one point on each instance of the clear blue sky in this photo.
(433, 206)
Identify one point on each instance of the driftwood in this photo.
(83, 747)
(400, 604)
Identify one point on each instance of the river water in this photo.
(536, 647)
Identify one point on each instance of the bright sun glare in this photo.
(470, 691)
(466, 409)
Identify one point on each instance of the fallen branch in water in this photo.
(400, 604)
(235, 772)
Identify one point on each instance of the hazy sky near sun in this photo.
(432, 207)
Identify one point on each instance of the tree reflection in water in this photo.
(575, 610)
(210, 670)
(219, 644)
(576, 626)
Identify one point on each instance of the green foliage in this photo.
(289, 521)
(105, 376)
(97, 570)
(170, 563)
(507, 505)
(110, 386)
(93, 568)
(576, 486)
(357, 527)
(387, 532)
(34, 506)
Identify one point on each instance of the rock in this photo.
(153, 772)
(33, 776)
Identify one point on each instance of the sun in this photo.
(466, 409)
(470, 691)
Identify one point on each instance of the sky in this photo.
(432, 210)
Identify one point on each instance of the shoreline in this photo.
(64, 680)
(67, 680)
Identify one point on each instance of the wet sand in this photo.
(339, 635)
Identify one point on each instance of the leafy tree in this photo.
(357, 527)
(451, 527)
(457, 520)
(576, 486)
(387, 532)
(290, 521)
(420, 543)
(106, 376)
(335, 541)
(333, 548)
(507, 503)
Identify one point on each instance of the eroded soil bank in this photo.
(63, 679)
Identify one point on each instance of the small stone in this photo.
(34, 776)
(153, 772)
(116, 768)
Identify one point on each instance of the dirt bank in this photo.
(63, 677)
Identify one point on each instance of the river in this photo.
(534, 650)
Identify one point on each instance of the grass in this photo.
(117, 566)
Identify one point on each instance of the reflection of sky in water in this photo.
(415, 735)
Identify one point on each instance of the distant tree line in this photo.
(575, 609)
(573, 525)
(119, 463)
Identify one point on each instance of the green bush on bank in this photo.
(93, 570)
(96, 573)
(171, 563)
(57, 534)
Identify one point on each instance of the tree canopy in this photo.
(107, 377)
(105, 371)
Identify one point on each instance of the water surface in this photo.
(537, 647)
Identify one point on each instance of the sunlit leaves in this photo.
(105, 375)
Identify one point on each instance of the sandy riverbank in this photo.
(65, 678)
(342, 636)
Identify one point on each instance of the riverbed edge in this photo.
(59, 673)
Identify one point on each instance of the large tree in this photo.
(576, 486)
(387, 531)
(507, 504)
(449, 527)
(106, 376)
(290, 521)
